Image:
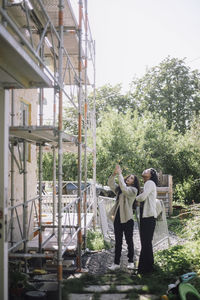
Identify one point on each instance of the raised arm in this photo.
(127, 190)
(148, 187)
(111, 183)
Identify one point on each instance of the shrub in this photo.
(192, 229)
(188, 191)
(180, 259)
(95, 241)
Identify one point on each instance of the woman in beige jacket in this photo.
(122, 214)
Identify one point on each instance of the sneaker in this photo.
(130, 266)
(114, 267)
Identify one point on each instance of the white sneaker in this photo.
(130, 266)
(114, 267)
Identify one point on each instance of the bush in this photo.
(95, 241)
(188, 191)
(191, 230)
(187, 224)
(180, 259)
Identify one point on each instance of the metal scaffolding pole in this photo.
(94, 140)
(40, 188)
(40, 201)
(54, 188)
(12, 172)
(60, 146)
(85, 123)
(54, 164)
(41, 97)
(4, 129)
(25, 207)
(79, 242)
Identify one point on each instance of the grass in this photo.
(155, 283)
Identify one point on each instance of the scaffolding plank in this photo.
(67, 147)
(70, 40)
(52, 9)
(40, 134)
(52, 244)
(69, 220)
(17, 68)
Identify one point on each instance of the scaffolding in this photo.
(55, 50)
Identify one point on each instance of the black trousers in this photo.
(146, 260)
(119, 229)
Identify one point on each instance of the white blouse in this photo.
(149, 196)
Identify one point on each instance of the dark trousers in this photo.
(146, 260)
(119, 229)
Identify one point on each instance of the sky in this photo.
(133, 35)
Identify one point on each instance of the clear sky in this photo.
(132, 35)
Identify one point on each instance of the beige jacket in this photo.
(125, 201)
(149, 196)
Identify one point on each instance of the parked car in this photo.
(104, 190)
(71, 188)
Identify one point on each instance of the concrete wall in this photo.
(29, 97)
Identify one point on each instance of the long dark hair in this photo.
(154, 176)
(135, 184)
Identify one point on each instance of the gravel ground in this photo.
(98, 262)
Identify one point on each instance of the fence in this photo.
(165, 192)
(161, 230)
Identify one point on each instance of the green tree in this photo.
(109, 96)
(70, 167)
(139, 142)
(136, 142)
(47, 166)
(187, 163)
(70, 120)
(170, 89)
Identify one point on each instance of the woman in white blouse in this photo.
(148, 217)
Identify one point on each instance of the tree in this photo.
(70, 120)
(108, 97)
(139, 142)
(136, 142)
(187, 159)
(170, 89)
(70, 166)
(47, 166)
